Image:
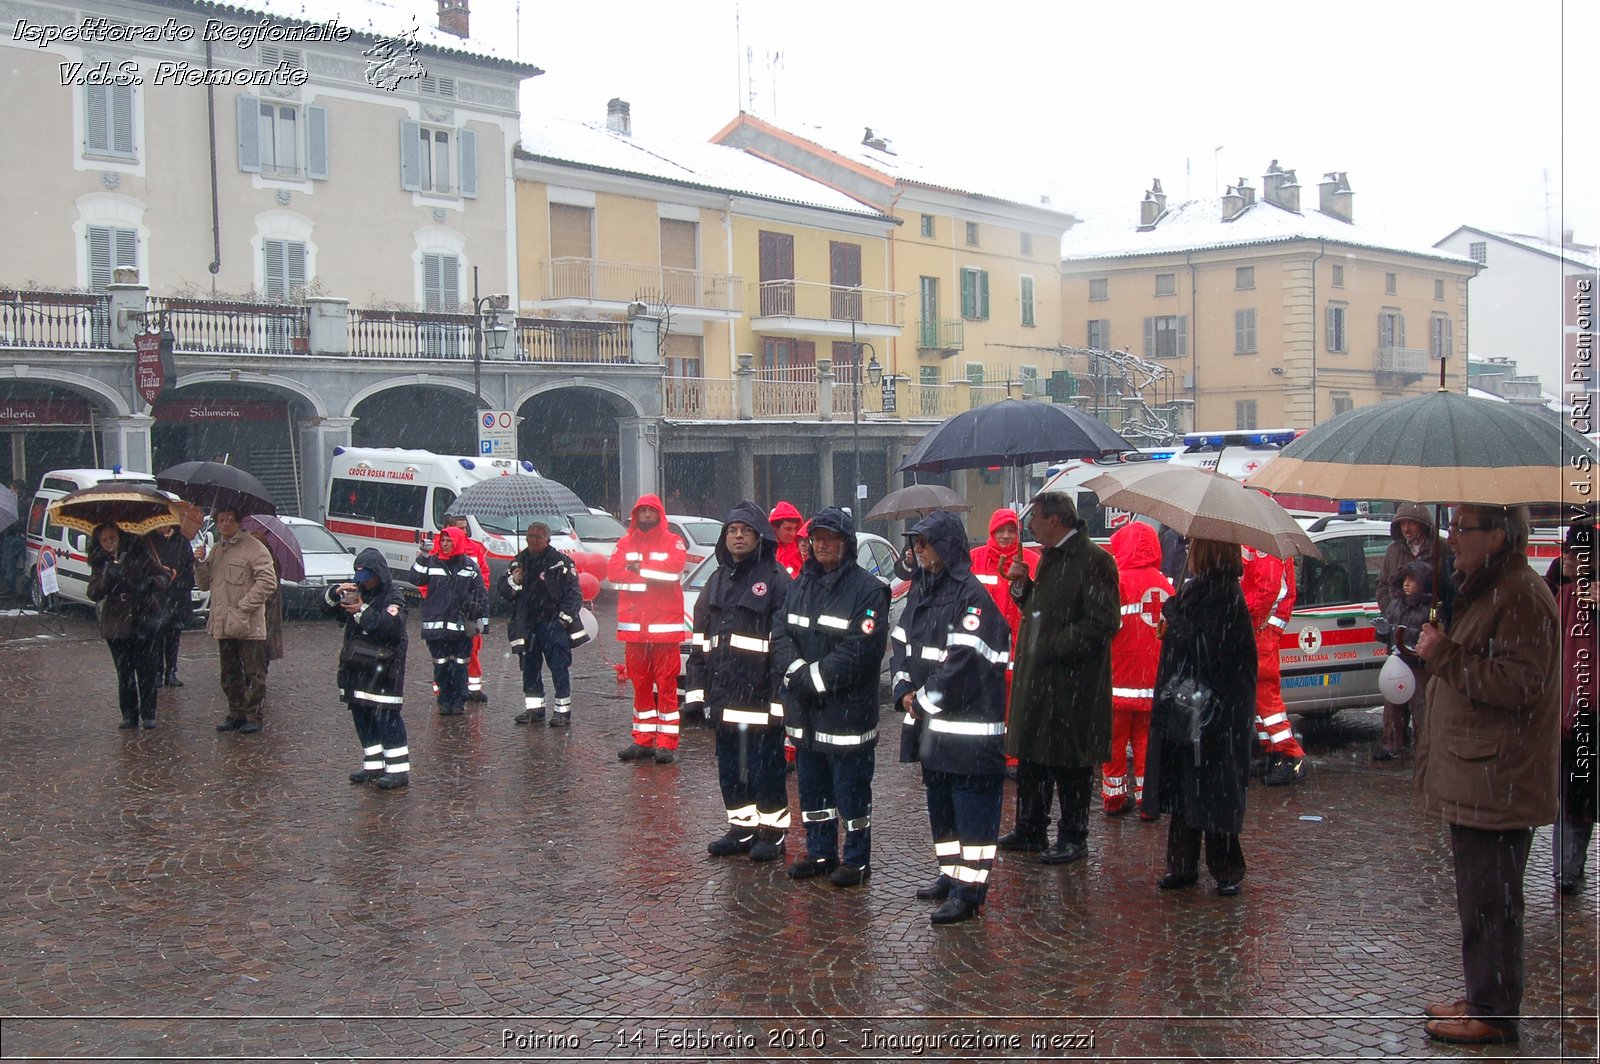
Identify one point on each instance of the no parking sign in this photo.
(497, 434)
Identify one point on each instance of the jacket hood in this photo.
(747, 512)
(372, 558)
(1410, 511)
(653, 501)
(1136, 546)
(784, 511)
(1421, 572)
(836, 520)
(948, 536)
(452, 541)
(1000, 519)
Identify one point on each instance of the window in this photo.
(1478, 251)
(442, 498)
(438, 160)
(1166, 284)
(1244, 332)
(1338, 340)
(283, 274)
(680, 262)
(927, 226)
(1029, 376)
(110, 248)
(377, 501)
(1342, 403)
(844, 277)
(1341, 576)
(1244, 414)
(283, 140)
(928, 379)
(1167, 336)
(1100, 334)
(1244, 277)
(975, 294)
(1441, 336)
(441, 293)
(1391, 329)
(572, 269)
(108, 120)
(974, 373)
(972, 234)
(1338, 277)
(1027, 300)
(1438, 289)
(1027, 243)
(928, 302)
(1390, 283)
(1099, 288)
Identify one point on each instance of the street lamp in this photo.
(875, 374)
(488, 330)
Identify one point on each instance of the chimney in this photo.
(1336, 196)
(1247, 192)
(1232, 203)
(453, 17)
(618, 119)
(1280, 188)
(1153, 206)
(876, 141)
(1567, 238)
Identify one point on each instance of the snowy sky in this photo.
(1442, 113)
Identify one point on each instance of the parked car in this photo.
(699, 535)
(328, 561)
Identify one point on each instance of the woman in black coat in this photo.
(129, 585)
(1208, 639)
(178, 558)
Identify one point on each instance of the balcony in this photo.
(596, 286)
(1406, 361)
(53, 320)
(941, 334)
(217, 326)
(810, 308)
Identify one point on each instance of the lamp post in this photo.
(875, 372)
(487, 329)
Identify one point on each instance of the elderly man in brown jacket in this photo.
(1487, 757)
(238, 572)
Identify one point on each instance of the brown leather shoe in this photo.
(1442, 1010)
(1471, 1031)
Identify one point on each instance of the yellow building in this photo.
(1270, 314)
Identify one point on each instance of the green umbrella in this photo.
(1436, 448)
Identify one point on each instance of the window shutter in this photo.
(1183, 335)
(469, 163)
(983, 295)
(96, 110)
(1400, 330)
(122, 119)
(1027, 301)
(1149, 338)
(969, 301)
(99, 258)
(449, 284)
(295, 267)
(248, 109)
(272, 268)
(1328, 331)
(1449, 337)
(431, 297)
(316, 142)
(410, 155)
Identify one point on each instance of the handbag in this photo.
(1190, 705)
(365, 653)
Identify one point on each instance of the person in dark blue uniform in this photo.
(372, 668)
(456, 608)
(542, 586)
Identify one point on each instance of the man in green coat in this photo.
(1060, 727)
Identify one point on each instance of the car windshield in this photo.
(314, 539)
(516, 527)
(700, 574)
(598, 527)
(702, 532)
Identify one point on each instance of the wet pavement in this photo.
(185, 894)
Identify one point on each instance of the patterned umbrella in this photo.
(132, 506)
(516, 495)
(213, 484)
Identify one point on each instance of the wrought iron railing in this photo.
(411, 334)
(229, 327)
(941, 334)
(54, 319)
(551, 340)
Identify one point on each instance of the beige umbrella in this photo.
(1203, 505)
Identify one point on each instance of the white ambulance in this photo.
(395, 500)
(57, 548)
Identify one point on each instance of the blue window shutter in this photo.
(96, 118)
(469, 163)
(121, 98)
(410, 155)
(316, 142)
(248, 108)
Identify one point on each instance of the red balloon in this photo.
(588, 586)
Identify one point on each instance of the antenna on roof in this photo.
(738, 61)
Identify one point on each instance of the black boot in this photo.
(172, 679)
(736, 840)
(769, 845)
(954, 911)
(938, 890)
(366, 775)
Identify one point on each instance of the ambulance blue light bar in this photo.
(1267, 438)
(467, 463)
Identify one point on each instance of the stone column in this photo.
(825, 389)
(128, 303)
(327, 327)
(963, 393)
(745, 375)
(746, 459)
(125, 442)
(825, 472)
(318, 438)
(639, 455)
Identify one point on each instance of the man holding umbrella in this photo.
(239, 574)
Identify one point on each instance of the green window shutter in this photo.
(1183, 335)
(410, 155)
(1149, 338)
(983, 295)
(469, 163)
(316, 142)
(248, 110)
(969, 299)
(1027, 301)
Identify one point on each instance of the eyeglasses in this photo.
(1456, 529)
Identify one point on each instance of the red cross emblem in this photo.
(1150, 604)
(1311, 639)
(759, 589)
(1252, 465)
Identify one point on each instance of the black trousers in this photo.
(450, 669)
(548, 642)
(964, 816)
(170, 637)
(1037, 784)
(751, 773)
(1489, 870)
(382, 732)
(1224, 858)
(137, 662)
(835, 787)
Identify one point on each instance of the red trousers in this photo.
(475, 670)
(653, 668)
(1128, 726)
(1272, 719)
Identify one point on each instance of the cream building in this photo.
(1273, 312)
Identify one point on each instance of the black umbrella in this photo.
(1012, 432)
(516, 495)
(213, 484)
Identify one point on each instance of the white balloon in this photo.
(591, 626)
(1397, 682)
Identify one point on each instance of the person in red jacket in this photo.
(990, 564)
(1269, 593)
(785, 521)
(645, 569)
(480, 554)
(1135, 650)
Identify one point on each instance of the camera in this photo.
(349, 596)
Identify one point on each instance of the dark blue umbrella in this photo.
(1013, 432)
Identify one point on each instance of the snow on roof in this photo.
(373, 18)
(1479, 393)
(1577, 254)
(1194, 224)
(688, 162)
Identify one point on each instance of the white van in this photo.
(395, 500)
(64, 549)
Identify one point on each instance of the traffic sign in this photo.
(888, 395)
(497, 434)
